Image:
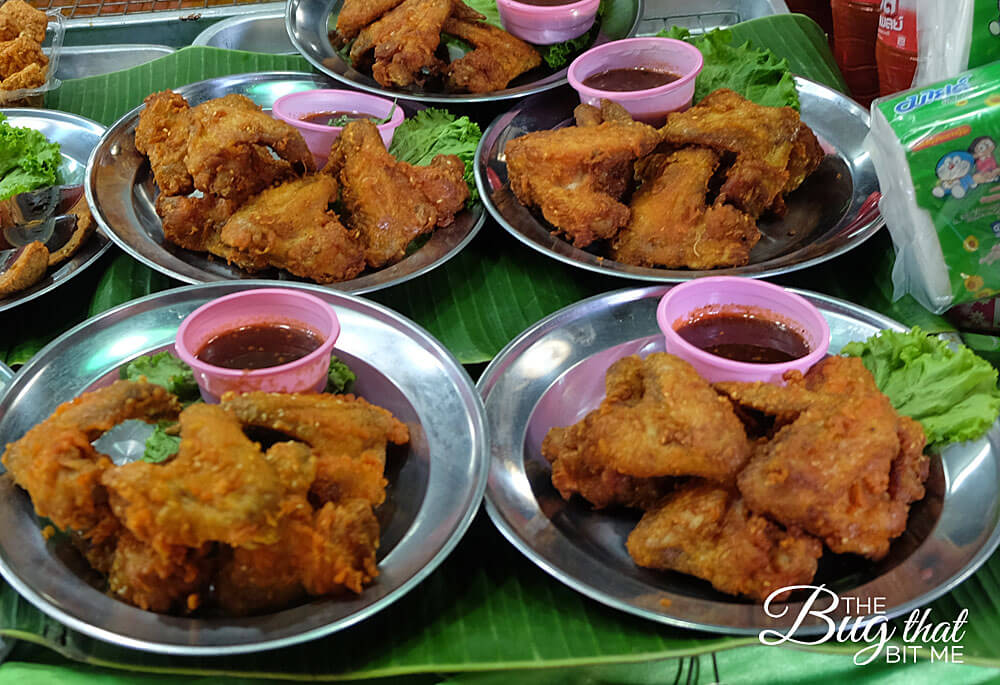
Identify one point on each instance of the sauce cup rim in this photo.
(398, 115)
(587, 91)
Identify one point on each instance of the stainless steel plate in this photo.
(79, 61)
(254, 32)
(309, 23)
(434, 486)
(121, 193)
(77, 137)
(700, 16)
(835, 210)
(553, 374)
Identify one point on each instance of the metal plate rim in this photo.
(858, 237)
(472, 497)
(251, 77)
(571, 578)
(98, 243)
(291, 8)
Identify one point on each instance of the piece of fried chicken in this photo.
(403, 41)
(577, 175)
(161, 579)
(844, 466)
(496, 60)
(347, 434)
(389, 203)
(659, 418)
(355, 15)
(774, 150)
(589, 115)
(671, 224)
(23, 268)
(292, 227)
(162, 135)
(19, 53)
(61, 470)
(230, 145)
(318, 553)
(708, 531)
(19, 18)
(219, 487)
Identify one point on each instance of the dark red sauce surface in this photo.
(258, 346)
(622, 80)
(745, 338)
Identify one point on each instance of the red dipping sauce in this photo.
(259, 346)
(627, 80)
(744, 337)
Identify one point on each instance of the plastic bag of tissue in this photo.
(955, 35)
(935, 152)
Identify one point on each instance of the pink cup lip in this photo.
(528, 8)
(587, 91)
(278, 109)
(817, 326)
(325, 349)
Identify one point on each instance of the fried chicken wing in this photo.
(577, 175)
(219, 487)
(387, 202)
(844, 468)
(321, 552)
(659, 418)
(347, 434)
(496, 60)
(31, 76)
(707, 531)
(356, 14)
(292, 227)
(403, 40)
(774, 150)
(56, 463)
(162, 135)
(671, 224)
(18, 17)
(588, 115)
(158, 579)
(230, 144)
(24, 268)
(18, 53)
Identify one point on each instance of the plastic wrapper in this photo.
(954, 36)
(33, 97)
(935, 152)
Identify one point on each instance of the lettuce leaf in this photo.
(948, 389)
(27, 160)
(433, 132)
(339, 378)
(757, 75)
(160, 445)
(166, 369)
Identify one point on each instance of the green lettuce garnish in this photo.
(949, 389)
(27, 160)
(160, 445)
(433, 132)
(757, 75)
(340, 379)
(163, 368)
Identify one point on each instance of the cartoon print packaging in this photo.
(935, 152)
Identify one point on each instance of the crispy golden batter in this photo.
(708, 531)
(577, 175)
(292, 227)
(496, 60)
(385, 200)
(58, 466)
(356, 14)
(347, 434)
(403, 41)
(659, 419)
(219, 487)
(162, 135)
(230, 144)
(588, 115)
(31, 76)
(774, 150)
(671, 224)
(18, 53)
(319, 553)
(18, 17)
(195, 223)
(29, 267)
(158, 579)
(84, 229)
(844, 467)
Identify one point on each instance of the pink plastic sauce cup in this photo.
(256, 307)
(547, 24)
(662, 54)
(730, 294)
(293, 107)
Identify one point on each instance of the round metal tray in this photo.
(309, 23)
(835, 210)
(553, 374)
(77, 137)
(121, 193)
(434, 488)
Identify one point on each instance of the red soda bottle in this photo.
(896, 48)
(855, 27)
